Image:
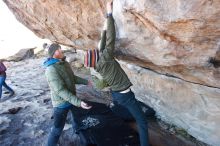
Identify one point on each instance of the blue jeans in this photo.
(128, 101)
(60, 115)
(2, 83)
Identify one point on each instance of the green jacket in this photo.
(107, 66)
(62, 80)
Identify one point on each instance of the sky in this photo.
(14, 35)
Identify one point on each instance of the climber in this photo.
(104, 63)
(62, 80)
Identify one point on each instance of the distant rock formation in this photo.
(22, 54)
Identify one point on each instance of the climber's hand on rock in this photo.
(109, 6)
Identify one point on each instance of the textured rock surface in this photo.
(22, 54)
(193, 107)
(180, 38)
(176, 38)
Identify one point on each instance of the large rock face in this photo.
(180, 38)
(193, 107)
(176, 38)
